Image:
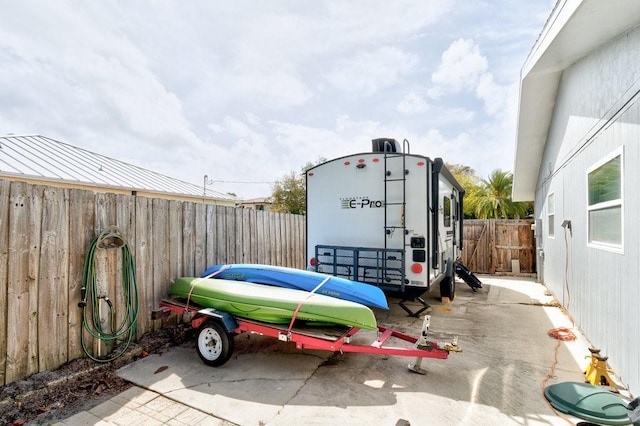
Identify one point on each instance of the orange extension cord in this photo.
(561, 334)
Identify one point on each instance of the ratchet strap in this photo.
(295, 313)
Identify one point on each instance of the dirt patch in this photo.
(78, 385)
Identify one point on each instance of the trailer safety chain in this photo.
(110, 238)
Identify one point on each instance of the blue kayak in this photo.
(279, 276)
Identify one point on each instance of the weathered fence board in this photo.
(159, 242)
(211, 234)
(200, 239)
(81, 233)
(4, 255)
(262, 231)
(53, 288)
(19, 277)
(142, 249)
(221, 255)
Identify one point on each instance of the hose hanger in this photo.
(110, 238)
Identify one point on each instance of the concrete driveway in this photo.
(497, 379)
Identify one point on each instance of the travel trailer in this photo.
(388, 218)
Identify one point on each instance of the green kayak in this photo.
(272, 304)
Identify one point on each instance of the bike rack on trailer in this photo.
(215, 338)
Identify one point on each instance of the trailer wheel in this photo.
(448, 284)
(214, 344)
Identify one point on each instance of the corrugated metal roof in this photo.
(42, 157)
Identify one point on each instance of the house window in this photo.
(551, 215)
(447, 211)
(604, 211)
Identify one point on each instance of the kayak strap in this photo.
(213, 274)
(194, 282)
(295, 313)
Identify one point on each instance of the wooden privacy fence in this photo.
(498, 246)
(44, 235)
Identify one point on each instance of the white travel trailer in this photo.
(388, 218)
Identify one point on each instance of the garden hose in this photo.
(110, 238)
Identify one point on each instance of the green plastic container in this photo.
(589, 402)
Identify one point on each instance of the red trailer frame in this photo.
(336, 339)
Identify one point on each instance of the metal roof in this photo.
(44, 158)
(574, 29)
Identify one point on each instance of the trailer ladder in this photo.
(389, 181)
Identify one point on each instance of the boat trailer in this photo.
(216, 329)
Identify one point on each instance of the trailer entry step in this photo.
(468, 276)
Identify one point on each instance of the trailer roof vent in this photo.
(385, 145)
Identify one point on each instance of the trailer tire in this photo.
(214, 343)
(448, 283)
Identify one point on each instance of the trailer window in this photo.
(454, 207)
(604, 211)
(446, 204)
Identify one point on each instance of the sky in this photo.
(248, 92)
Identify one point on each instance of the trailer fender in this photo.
(225, 318)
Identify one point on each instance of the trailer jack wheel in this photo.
(214, 344)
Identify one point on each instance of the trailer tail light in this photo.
(313, 261)
(416, 268)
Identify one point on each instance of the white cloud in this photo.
(464, 69)
(416, 104)
(369, 72)
(412, 103)
(494, 96)
(461, 67)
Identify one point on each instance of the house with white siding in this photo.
(578, 157)
(41, 160)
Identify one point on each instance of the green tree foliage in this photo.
(466, 177)
(494, 198)
(290, 192)
(289, 195)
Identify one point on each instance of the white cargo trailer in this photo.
(388, 218)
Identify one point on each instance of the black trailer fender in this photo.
(227, 320)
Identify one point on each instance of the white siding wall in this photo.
(595, 114)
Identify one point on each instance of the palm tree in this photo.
(493, 199)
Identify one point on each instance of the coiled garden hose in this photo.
(110, 238)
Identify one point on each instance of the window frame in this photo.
(611, 247)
